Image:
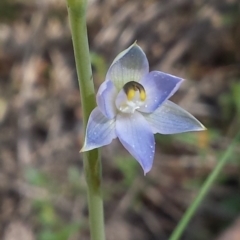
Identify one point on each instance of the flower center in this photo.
(131, 97)
(131, 88)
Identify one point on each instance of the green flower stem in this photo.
(203, 192)
(92, 162)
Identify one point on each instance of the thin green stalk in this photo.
(203, 192)
(91, 159)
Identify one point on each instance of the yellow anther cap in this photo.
(130, 88)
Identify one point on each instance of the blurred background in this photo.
(42, 186)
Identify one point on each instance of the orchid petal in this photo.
(129, 65)
(136, 136)
(100, 131)
(169, 118)
(106, 99)
(121, 99)
(159, 87)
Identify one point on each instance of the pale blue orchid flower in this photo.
(133, 105)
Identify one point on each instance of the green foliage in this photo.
(76, 186)
(231, 16)
(193, 139)
(51, 225)
(231, 204)
(74, 176)
(99, 64)
(128, 167)
(46, 213)
(62, 234)
(230, 101)
(9, 10)
(235, 89)
(36, 177)
(164, 140)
